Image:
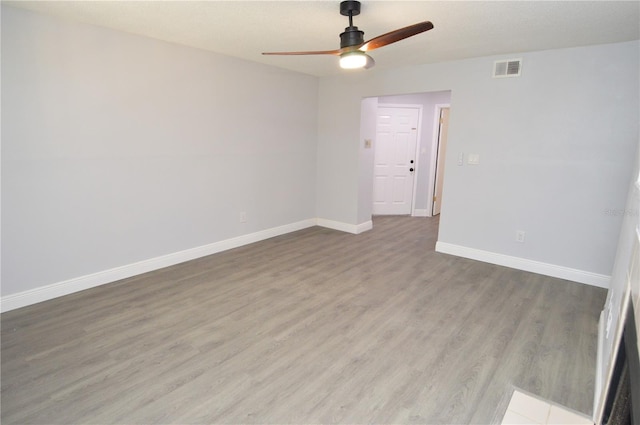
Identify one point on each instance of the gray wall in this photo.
(368, 118)
(555, 145)
(118, 148)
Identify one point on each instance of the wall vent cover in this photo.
(507, 68)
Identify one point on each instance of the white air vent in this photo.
(507, 68)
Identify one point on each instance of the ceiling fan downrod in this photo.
(351, 37)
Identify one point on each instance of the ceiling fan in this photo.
(353, 48)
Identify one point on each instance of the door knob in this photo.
(410, 169)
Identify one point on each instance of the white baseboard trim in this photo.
(546, 269)
(363, 227)
(420, 213)
(345, 227)
(599, 378)
(44, 293)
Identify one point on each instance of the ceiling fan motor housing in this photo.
(351, 37)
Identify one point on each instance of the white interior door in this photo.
(442, 151)
(395, 160)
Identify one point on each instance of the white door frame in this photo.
(418, 137)
(434, 156)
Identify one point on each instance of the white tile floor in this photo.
(527, 409)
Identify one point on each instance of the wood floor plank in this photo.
(316, 326)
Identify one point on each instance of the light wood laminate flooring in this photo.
(316, 326)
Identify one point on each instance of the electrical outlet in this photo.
(243, 217)
(520, 236)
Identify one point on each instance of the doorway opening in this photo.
(398, 185)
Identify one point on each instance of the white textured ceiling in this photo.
(463, 29)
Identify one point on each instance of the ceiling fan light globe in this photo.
(353, 60)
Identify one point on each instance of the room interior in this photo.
(138, 136)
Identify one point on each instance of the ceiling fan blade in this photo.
(397, 35)
(318, 52)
